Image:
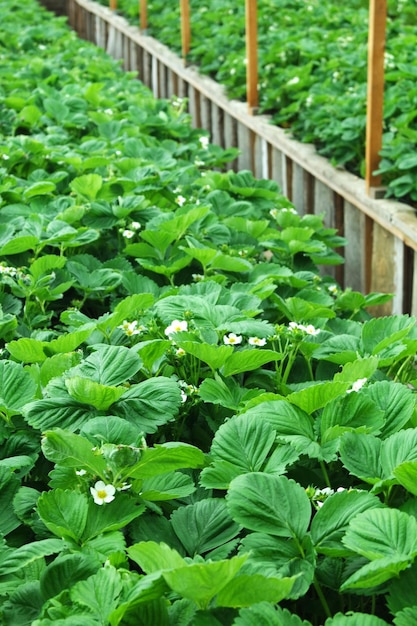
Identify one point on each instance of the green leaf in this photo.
(332, 519)
(155, 557)
(353, 411)
(204, 525)
(87, 186)
(16, 387)
(248, 589)
(214, 356)
(407, 617)
(406, 474)
(64, 412)
(377, 572)
(269, 504)
(68, 342)
(89, 392)
(381, 532)
(113, 516)
(64, 513)
(99, 593)
(352, 619)
(24, 605)
(71, 450)
(27, 350)
(110, 365)
(397, 402)
(9, 486)
(149, 404)
(200, 582)
(264, 614)
(284, 417)
(41, 188)
(278, 556)
(380, 333)
(141, 598)
(110, 429)
(46, 263)
(65, 571)
(227, 393)
(167, 457)
(316, 396)
(167, 487)
(402, 590)
(244, 443)
(248, 360)
(361, 455)
(19, 244)
(20, 557)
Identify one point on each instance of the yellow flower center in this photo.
(102, 493)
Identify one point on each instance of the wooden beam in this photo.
(143, 13)
(113, 5)
(375, 100)
(252, 55)
(185, 28)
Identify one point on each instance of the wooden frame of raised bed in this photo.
(382, 234)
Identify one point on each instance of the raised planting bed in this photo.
(382, 233)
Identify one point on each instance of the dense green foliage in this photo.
(312, 72)
(197, 427)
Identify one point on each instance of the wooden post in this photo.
(113, 5)
(185, 28)
(143, 12)
(252, 55)
(375, 102)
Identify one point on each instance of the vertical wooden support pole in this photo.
(143, 12)
(252, 55)
(113, 5)
(185, 28)
(375, 104)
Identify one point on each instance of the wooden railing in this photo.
(382, 234)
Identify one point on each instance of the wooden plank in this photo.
(205, 107)
(217, 125)
(384, 277)
(324, 203)
(354, 231)
(298, 191)
(414, 285)
(278, 169)
(230, 136)
(245, 144)
(194, 106)
(154, 77)
(185, 28)
(251, 19)
(133, 61)
(260, 157)
(113, 5)
(375, 97)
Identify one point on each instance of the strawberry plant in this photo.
(198, 426)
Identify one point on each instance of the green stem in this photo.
(321, 597)
(325, 474)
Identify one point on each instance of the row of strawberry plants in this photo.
(314, 85)
(198, 427)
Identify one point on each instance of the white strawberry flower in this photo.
(231, 339)
(256, 341)
(357, 385)
(176, 326)
(102, 493)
